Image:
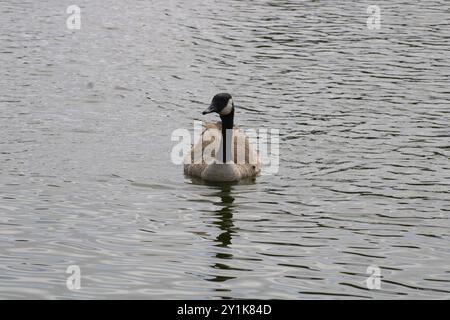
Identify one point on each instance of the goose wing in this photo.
(244, 155)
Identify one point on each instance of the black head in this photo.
(222, 103)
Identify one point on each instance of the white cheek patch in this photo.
(225, 111)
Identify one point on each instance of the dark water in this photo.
(86, 177)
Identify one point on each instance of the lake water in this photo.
(86, 176)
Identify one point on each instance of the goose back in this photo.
(245, 165)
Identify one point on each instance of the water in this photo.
(85, 171)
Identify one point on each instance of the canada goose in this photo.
(228, 164)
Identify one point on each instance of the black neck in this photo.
(227, 123)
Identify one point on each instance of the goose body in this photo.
(223, 152)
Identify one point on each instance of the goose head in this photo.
(222, 103)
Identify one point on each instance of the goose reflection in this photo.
(225, 217)
(224, 221)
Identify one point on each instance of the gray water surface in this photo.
(86, 176)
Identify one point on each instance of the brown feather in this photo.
(246, 168)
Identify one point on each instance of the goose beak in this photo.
(210, 109)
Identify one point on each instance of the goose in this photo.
(227, 164)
